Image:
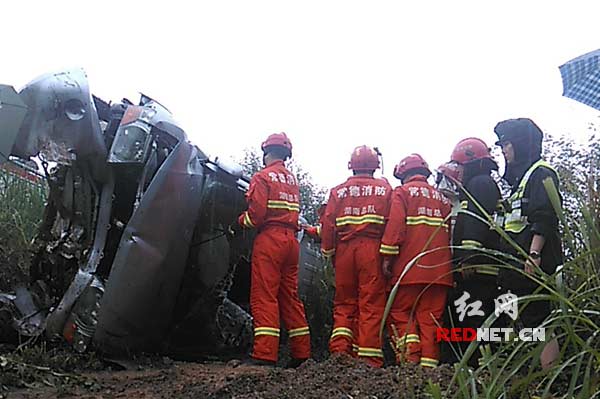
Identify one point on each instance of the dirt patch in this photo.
(337, 377)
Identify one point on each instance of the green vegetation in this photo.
(21, 208)
(513, 369)
(508, 370)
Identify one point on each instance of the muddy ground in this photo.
(337, 377)
(53, 370)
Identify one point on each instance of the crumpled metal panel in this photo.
(12, 113)
(61, 119)
(142, 287)
(85, 274)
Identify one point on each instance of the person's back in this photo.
(425, 228)
(480, 197)
(273, 208)
(477, 271)
(360, 207)
(418, 226)
(276, 187)
(353, 224)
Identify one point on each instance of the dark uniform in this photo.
(529, 212)
(480, 279)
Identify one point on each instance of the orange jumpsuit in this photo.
(352, 227)
(273, 207)
(418, 222)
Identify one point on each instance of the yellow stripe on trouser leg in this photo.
(429, 362)
(409, 339)
(274, 332)
(342, 331)
(406, 339)
(370, 352)
(389, 249)
(297, 332)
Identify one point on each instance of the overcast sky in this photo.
(405, 76)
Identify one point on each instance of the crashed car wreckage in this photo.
(134, 252)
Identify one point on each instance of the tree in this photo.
(311, 194)
(578, 167)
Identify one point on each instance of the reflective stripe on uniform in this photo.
(319, 231)
(368, 218)
(296, 332)
(342, 331)
(401, 342)
(328, 252)
(266, 331)
(471, 243)
(515, 221)
(247, 220)
(409, 339)
(464, 204)
(354, 348)
(389, 249)
(430, 221)
(429, 362)
(369, 352)
(290, 206)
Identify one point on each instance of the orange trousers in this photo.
(274, 295)
(413, 323)
(359, 300)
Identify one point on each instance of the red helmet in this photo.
(450, 169)
(470, 149)
(364, 159)
(277, 139)
(413, 161)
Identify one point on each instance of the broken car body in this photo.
(134, 252)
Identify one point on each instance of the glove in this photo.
(310, 230)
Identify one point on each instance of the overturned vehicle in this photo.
(134, 252)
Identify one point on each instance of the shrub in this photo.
(22, 200)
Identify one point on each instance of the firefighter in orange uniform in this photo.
(273, 208)
(353, 224)
(418, 222)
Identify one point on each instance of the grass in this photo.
(34, 366)
(21, 208)
(512, 369)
